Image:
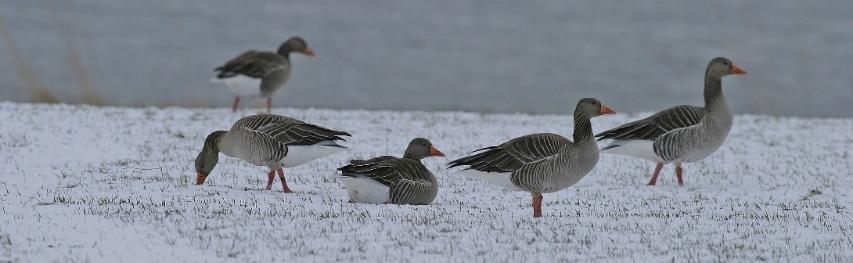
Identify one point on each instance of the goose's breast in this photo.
(705, 145)
(572, 172)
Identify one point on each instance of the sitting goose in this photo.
(388, 179)
(540, 163)
(259, 73)
(681, 133)
(268, 140)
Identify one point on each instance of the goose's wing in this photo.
(657, 124)
(386, 170)
(287, 130)
(254, 64)
(511, 155)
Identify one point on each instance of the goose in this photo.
(268, 140)
(388, 179)
(680, 134)
(540, 163)
(260, 73)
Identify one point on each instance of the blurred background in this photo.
(536, 56)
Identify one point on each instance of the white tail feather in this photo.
(297, 155)
(643, 149)
(498, 179)
(241, 85)
(366, 190)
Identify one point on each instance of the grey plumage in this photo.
(656, 125)
(272, 69)
(543, 162)
(269, 140)
(263, 139)
(260, 73)
(682, 133)
(407, 180)
(511, 155)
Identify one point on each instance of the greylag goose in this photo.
(682, 133)
(540, 163)
(268, 140)
(388, 179)
(260, 73)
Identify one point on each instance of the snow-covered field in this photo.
(82, 183)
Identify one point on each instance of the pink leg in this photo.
(236, 102)
(269, 104)
(270, 177)
(655, 175)
(283, 181)
(537, 205)
(678, 172)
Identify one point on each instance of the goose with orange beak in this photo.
(540, 163)
(392, 180)
(259, 73)
(269, 140)
(680, 134)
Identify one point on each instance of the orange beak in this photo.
(435, 152)
(738, 71)
(199, 179)
(309, 51)
(605, 110)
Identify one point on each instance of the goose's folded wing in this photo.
(511, 155)
(656, 125)
(252, 64)
(289, 131)
(381, 171)
(387, 170)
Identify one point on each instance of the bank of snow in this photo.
(106, 184)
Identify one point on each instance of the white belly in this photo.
(643, 149)
(498, 179)
(297, 155)
(366, 190)
(242, 85)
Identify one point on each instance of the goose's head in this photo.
(420, 148)
(592, 108)
(295, 44)
(721, 66)
(208, 157)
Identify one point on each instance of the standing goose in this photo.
(681, 133)
(388, 179)
(269, 140)
(260, 73)
(540, 163)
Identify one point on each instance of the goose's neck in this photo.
(583, 128)
(226, 144)
(412, 156)
(284, 51)
(713, 92)
(717, 110)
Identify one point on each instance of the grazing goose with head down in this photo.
(540, 163)
(681, 133)
(388, 179)
(269, 140)
(260, 73)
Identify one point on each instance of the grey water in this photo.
(537, 56)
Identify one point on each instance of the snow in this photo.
(81, 183)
